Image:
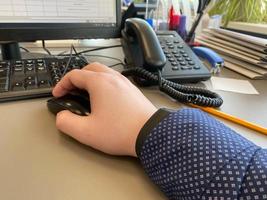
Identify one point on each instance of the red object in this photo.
(195, 44)
(174, 19)
(175, 22)
(171, 13)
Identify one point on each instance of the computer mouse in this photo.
(77, 103)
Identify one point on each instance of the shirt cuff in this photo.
(156, 118)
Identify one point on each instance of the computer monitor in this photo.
(30, 20)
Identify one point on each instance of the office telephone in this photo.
(165, 50)
(164, 59)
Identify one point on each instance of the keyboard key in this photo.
(3, 88)
(29, 61)
(4, 85)
(29, 70)
(44, 84)
(41, 69)
(3, 80)
(56, 80)
(40, 64)
(3, 66)
(18, 71)
(196, 67)
(29, 65)
(3, 73)
(18, 86)
(40, 61)
(30, 85)
(30, 78)
(175, 68)
(4, 63)
(19, 62)
(18, 66)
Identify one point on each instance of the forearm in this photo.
(190, 154)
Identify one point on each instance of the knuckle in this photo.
(93, 64)
(75, 71)
(60, 120)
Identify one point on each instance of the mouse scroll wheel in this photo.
(68, 104)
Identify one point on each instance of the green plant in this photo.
(254, 11)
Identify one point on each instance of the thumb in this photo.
(74, 125)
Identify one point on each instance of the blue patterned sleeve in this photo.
(191, 155)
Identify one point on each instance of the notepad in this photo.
(233, 85)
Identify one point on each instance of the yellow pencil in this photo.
(233, 119)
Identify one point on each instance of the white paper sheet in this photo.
(233, 85)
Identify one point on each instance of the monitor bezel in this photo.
(23, 32)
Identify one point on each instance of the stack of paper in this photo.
(244, 54)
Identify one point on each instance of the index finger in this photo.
(72, 80)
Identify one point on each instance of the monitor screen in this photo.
(23, 20)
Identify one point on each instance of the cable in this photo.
(184, 94)
(90, 50)
(68, 63)
(26, 50)
(44, 47)
(79, 55)
(109, 57)
(114, 65)
(100, 48)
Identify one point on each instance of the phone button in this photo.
(174, 64)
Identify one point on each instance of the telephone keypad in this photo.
(174, 51)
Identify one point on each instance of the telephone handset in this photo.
(140, 41)
(164, 59)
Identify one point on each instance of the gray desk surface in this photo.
(38, 162)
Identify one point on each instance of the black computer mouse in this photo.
(77, 103)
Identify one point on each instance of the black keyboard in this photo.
(32, 78)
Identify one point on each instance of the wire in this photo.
(90, 50)
(109, 57)
(23, 48)
(44, 47)
(68, 63)
(79, 55)
(182, 93)
(116, 65)
(98, 49)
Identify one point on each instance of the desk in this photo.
(38, 162)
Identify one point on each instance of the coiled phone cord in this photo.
(182, 93)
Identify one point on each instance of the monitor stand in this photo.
(10, 51)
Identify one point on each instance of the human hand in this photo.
(118, 110)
